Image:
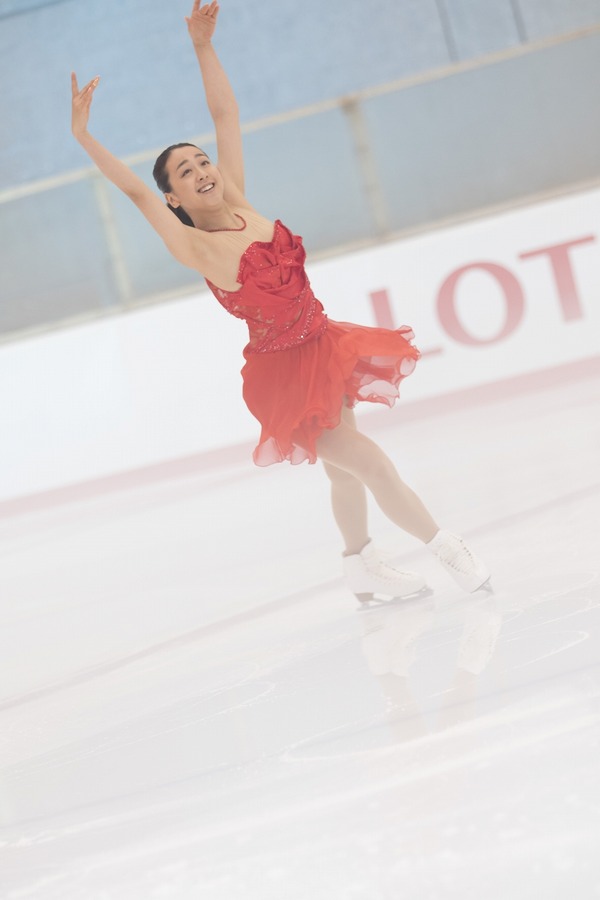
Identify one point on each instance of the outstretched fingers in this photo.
(86, 91)
(202, 21)
(81, 104)
(210, 9)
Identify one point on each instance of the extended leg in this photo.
(349, 500)
(365, 571)
(349, 504)
(354, 453)
(346, 449)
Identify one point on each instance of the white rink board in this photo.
(488, 300)
(528, 297)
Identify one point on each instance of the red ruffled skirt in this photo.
(296, 393)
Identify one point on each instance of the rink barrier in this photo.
(239, 456)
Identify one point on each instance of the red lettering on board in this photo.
(560, 262)
(513, 296)
(382, 309)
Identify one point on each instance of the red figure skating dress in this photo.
(302, 367)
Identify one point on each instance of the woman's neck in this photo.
(220, 219)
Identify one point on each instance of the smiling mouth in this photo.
(206, 188)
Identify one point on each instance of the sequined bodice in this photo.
(275, 298)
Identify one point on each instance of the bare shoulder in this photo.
(216, 255)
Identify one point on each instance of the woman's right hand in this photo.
(82, 100)
(202, 21)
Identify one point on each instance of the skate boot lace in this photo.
(457, 557)
(386, 574)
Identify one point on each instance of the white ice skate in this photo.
(459, 561)
(367, 574)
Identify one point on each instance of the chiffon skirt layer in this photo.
(296, 393)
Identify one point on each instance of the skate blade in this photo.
(486, 587)
(370, 601)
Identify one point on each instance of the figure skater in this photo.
(303, 372)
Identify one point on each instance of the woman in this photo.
(303, 372)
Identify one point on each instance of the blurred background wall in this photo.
(441, 159)
(363, 123)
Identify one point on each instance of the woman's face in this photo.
(196, 183)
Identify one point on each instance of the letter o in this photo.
(513, 295)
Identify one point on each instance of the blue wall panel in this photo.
(478, 28)
(279, 55)
(542, 18)
(489, 135)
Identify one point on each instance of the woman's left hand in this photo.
(202, 22)
(81, 102)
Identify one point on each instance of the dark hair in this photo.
(162, 179)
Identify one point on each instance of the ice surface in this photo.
(192, 706)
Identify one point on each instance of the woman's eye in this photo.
(185, 172)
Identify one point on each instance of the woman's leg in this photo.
(349, 504)
(348, 500)
(346, 450)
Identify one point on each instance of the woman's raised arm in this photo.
(183, 242)
(219, 96)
